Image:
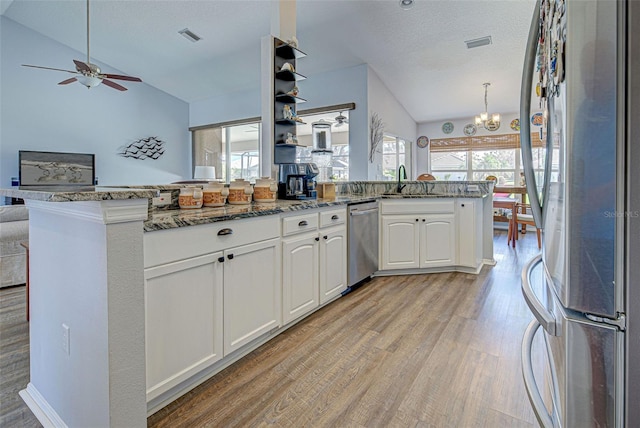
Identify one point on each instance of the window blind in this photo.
(482, 142)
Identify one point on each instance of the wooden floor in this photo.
(439, 350)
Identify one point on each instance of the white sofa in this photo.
(14, 229)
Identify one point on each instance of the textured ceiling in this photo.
(419, 53)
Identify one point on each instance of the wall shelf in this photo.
(289, 76)
(284, 83)
(286, 51)
(289, 99)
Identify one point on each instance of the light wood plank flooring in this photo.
(439, 350)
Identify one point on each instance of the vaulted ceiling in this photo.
(418, 53)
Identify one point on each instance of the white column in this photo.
(87, 313)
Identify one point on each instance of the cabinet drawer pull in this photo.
(424, 219)
(463, 205)
(221, 259)
(417, 219)
(225, 231)
(230, 256)
(317, 239)
(325, 237)
(335, 217)
(303, 223)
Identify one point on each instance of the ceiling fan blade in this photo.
(66, 82)
(49, 68)
(82, 66)
(113, 85)
(121, 77)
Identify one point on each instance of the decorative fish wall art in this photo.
(145, 148)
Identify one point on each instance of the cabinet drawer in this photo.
(333, 217)
(165, 246)
(299, 223)
(432, 206)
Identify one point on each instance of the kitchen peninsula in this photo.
(96, 330)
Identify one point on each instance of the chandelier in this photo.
(489, 122)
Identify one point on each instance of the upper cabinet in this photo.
(286, 100)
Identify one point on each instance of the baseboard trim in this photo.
(41, 408)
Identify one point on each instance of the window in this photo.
(475, 158)
(336, 165)
(233, 149)
(395, 152)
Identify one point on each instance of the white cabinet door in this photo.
(437, 240)
(252, 292)
(299, 276)
(183, 320)
(333, 263)
(400, 242)
(469, 221)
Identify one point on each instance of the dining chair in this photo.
(519, 217)
(426, 177)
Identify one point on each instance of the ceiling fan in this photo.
(341, 120)
(89, 74)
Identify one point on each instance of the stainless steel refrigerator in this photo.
(581, 68)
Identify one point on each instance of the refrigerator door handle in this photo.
(525, 114)
(543, 416)
(544, 317)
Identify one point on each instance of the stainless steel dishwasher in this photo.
(362, 243)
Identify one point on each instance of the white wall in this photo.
(434, 130)
(38, 114)
(396, 119)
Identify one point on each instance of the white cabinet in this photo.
(300, 275)
(437, 240)
(183, 320)
(314, 260)
(251, 292)
(469, 223)
(333, 262)
(418, 234)
(400, 242)
(209, 290)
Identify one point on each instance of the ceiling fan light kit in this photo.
(89, 74)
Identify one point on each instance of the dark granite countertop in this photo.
(159, 220)
(73, 194)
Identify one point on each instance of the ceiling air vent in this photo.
(190, 35)
(475, 43)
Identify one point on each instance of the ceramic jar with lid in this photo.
(240, 192)
(265, 190)
(190, 197)
(214, 194)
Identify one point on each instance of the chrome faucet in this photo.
(402, 174)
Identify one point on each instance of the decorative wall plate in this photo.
(470, 129)
(447, 127)
(537, 119)
(422, 142)
(515, 124)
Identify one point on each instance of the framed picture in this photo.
(56, 169)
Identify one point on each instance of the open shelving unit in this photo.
(284, 94)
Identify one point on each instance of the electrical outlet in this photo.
(162, 199)
(473, 188)
(66, 339)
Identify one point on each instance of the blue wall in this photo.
(37, 114)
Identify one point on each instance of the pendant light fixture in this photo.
(489, 122)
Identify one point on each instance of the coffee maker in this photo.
(297, 181)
